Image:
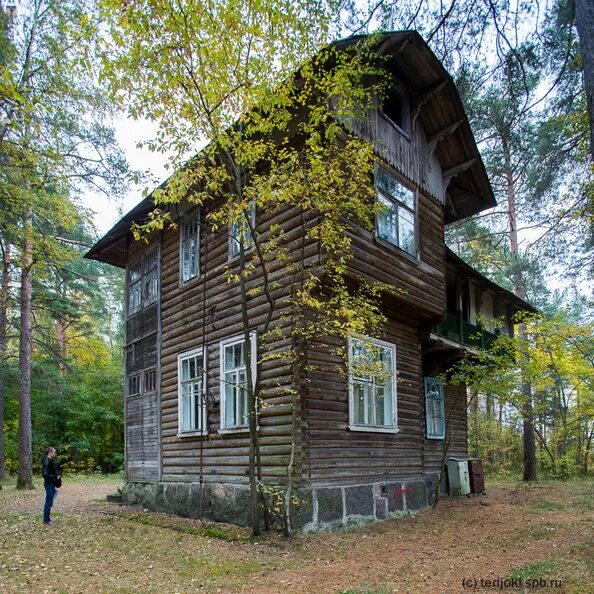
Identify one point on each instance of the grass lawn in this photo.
(540, 538)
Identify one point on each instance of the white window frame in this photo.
(234, 227)
(426, 381)
(396, 206)
(182, 244)
(364, 427)
(223, 344)
(202, 429)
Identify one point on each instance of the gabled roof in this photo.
(440, 108)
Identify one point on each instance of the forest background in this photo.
(525, 73)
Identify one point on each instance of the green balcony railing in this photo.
(455, 328)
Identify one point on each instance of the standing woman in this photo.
(51, 480)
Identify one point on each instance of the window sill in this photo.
(190, 282)
(234, 259)
(371, 429)
(392, 246)
(192, 434)
(434, 437)
(234, 430)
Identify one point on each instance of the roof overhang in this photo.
(441, 114)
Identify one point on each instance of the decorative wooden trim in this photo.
(423, 99)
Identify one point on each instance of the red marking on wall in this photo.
(403, 491)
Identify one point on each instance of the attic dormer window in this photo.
(396, 108)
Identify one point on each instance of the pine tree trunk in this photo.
(584, 21)
(3, 327)
(528, 434)
(25, 473)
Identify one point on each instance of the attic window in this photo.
(396, 109)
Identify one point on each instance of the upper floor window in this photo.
(372, 385)
(396, 108)
(190, 246)
(434, 408)
(234, 394)
(191, 398)
(143, 282)
(135, 288)
(396, 221)
(239, 231)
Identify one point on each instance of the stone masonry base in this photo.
(313, 509)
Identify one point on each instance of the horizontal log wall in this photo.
(202, 313)
(421, 280)
(339, 455)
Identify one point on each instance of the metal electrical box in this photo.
(458, 477)
(477, 476)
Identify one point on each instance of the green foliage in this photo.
(556, 355)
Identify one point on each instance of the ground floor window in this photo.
(234, 393)
(372, 385)
(191, 397)
(434, 408)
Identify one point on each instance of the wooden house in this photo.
(364, 449)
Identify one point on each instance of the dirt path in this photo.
(548, 528)
(485, 537)
(75, 497)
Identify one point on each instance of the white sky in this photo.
(129, 133)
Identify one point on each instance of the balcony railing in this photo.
(455, 328)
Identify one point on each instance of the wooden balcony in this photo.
(456, 329)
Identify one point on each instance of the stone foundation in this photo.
(313, 509)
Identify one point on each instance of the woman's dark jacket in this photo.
(49, 471)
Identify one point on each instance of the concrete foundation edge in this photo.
(312, 510)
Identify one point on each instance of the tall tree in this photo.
(52, 139)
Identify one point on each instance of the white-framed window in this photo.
(396, 217)
(434, 408)
(234, 394)
(239, 231)
(191, 383)
(190, 249)
(372, 385)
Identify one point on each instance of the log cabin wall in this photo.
(338, 455)
(142, 362)
(202, 313)
(413, 163)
